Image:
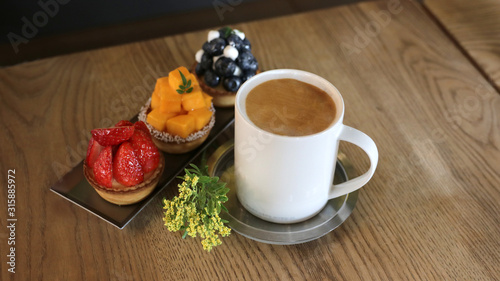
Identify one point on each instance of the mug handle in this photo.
(364, 142)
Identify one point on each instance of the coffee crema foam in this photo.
(290, 107)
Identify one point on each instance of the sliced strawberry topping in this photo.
(125, 153)
(145, 150)
(124, 123)
(139, 125)
(126, 167)
(112, 136)
(103, 168)
(93, 151)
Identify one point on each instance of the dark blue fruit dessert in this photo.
(224, 62)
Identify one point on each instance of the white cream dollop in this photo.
(239, 33)
(237, 71)
(198, 55)
(231, 52)
(215, 58)
(212, 34)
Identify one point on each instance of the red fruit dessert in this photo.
(123, 164)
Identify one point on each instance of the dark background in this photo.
(87, 24)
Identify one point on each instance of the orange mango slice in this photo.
(155, 101)
(193, 100)
(201, 116)
(193, 79)
(208, 99)
(157, 119)
(161, 83)
(181, 125)
(170, 101)
(175, 79)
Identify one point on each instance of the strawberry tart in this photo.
(123, 164)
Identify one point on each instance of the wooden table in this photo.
(475, 26)
(431, 212)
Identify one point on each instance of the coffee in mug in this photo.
(288, 124)
(290, 107)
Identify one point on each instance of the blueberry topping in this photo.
(235, 41)
(206, 61)
(245, 45)
(215, 47)
(232, 83)
(244, 60)
(211, 79)
(247, 75)
(205, 47)
(226, 58)
(199, 70)
(224, 66)
(253, 65)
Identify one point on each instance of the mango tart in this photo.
(179, 113)
(176, 144)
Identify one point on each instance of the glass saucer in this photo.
(336, 211)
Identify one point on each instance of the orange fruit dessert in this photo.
(179, 114)
(123, 164)
(224, 62)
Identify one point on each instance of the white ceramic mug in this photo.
(288, 179)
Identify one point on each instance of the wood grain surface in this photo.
(431, 212)
(475, 25)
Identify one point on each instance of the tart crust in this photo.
(179, 148)
(176, 144)
(121, 195)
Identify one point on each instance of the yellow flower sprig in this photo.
(197, 207)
